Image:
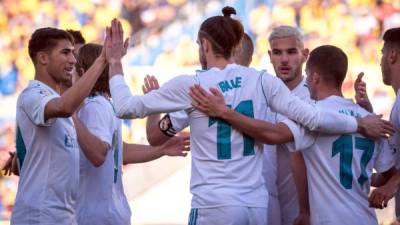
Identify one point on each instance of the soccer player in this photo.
(289, 195)
(159, 131)
(226, 183)
(47, 150)
(390, 66)
(103, 152)
(339, 167)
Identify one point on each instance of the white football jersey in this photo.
(339, 168)
(101, 195)
(226, 165)
(48, 156)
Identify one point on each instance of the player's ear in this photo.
(393, 56)
(42, 57)
(206, 45)
(305, 52)
(316, 78)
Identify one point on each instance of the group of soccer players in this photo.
(70, 151)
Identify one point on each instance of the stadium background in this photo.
(163, 35)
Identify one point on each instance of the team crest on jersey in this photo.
(69, 141)
(44, 92)
(393, 147)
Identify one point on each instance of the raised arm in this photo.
(172, 96)
(360, 87)
(70, 100)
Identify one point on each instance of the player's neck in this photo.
(42, 76)
(218, 62)
(294, 83)
(327, 92)
(396, 82)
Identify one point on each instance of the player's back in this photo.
(339, 169)
(104, 181)
(226, 166)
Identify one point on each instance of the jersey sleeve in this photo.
(34, 102)
(303, 138)
(385, 158)
(98, 122)
(172, 96)
(179, 120)
(281, 100)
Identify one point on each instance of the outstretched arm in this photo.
(380, 197)
(155, 136)
(135, 153)
(11, 166)
(213, 105)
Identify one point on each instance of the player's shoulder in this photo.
(183, 80)
(343, 106)
(96, 102)
(35, 90)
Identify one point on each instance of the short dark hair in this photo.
(392, 37)
(45, 39)
(87, 54)
(244, 54)
(77, 35)
(330, 62)
(223, 32)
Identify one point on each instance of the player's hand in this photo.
(211, 104)
(302, 219)
(126, 45)
(373, 126)
(360, 87)
(11, 166)
(150, 83)
(380, 197)
(114, 45)
(176, 146)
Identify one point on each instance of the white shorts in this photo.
(274, 211)
(228, 215)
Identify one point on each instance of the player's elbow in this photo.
(274, 138)
(99, 158)
(154, 141)
(123, 112)
(65, 110)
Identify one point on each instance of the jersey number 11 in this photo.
(224, 132)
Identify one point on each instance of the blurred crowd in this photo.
(163, 34)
